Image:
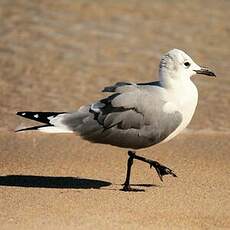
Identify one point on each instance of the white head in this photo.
(177, 65)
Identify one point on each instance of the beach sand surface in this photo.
(57, 57)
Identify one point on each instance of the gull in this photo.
(134, 115)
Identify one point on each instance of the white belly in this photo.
(187, 102)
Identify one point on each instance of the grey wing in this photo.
(120, 87)
(133, 119)
(114, 87)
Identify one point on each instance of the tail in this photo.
(46, 118)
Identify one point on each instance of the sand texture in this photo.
(57, 56)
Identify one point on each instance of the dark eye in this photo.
(187, 64)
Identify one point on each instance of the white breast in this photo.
(186, 99)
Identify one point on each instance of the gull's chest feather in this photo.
(186, 99)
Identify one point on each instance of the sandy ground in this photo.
(58, 56)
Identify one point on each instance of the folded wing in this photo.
(131, 117)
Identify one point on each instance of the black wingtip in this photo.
(38, 116)
(23, 113)
(30, 128)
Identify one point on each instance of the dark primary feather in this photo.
(31, 128)
(152, 83)
(38, 116)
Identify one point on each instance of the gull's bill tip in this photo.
(205, 71)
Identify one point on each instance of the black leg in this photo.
(126, 186)
(161, 169)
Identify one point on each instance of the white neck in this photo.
(168, 80)
(185, 96)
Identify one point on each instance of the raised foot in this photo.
(161, 169)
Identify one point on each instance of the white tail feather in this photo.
(53, 129)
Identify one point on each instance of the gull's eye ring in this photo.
(187, 64)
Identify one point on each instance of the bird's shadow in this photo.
(51, 182)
